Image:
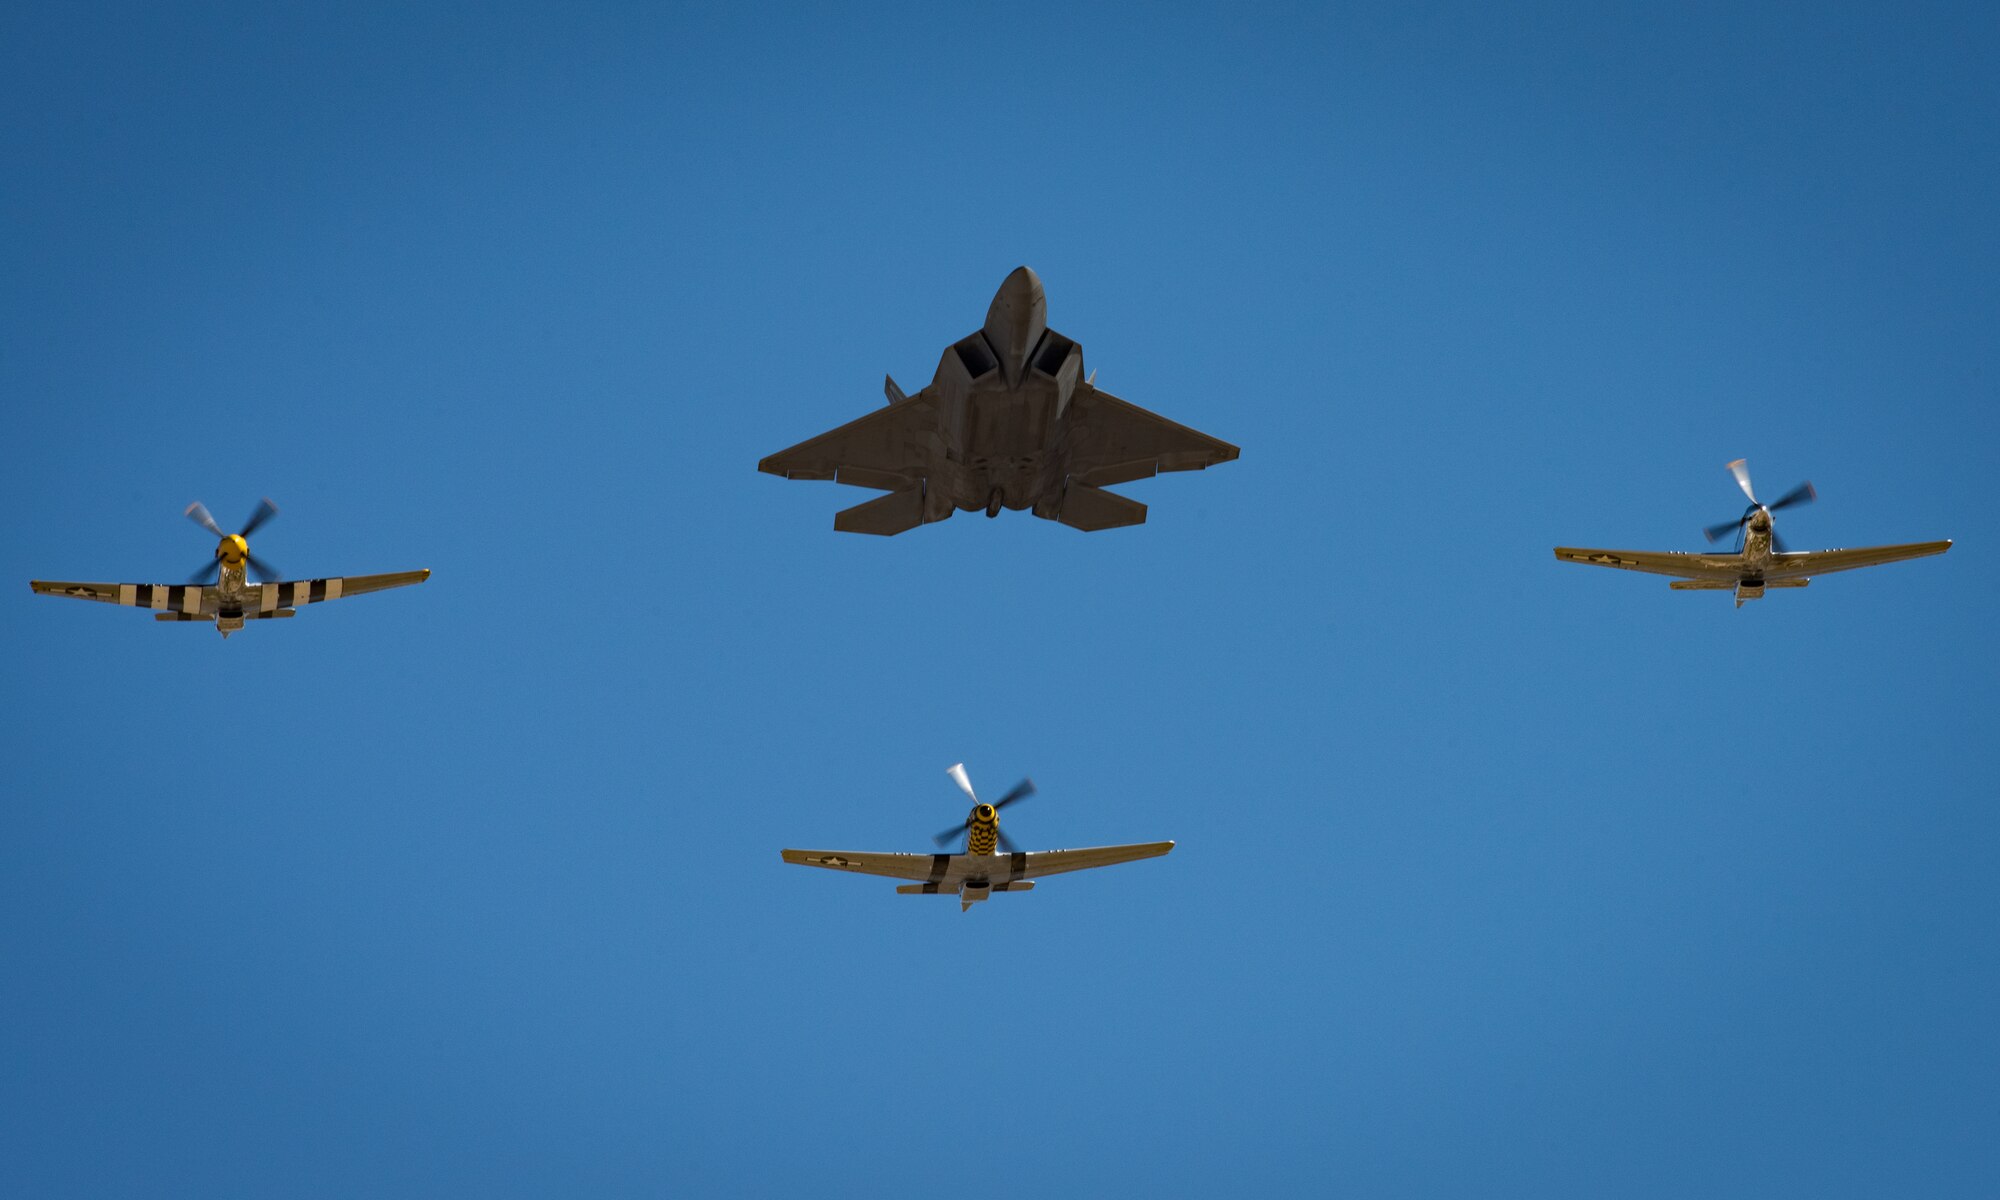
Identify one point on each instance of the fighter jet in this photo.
(231, 599)
(1761, 559)
(990, 861)
(1009, 421)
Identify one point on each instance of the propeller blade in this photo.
(1006, 843)
(198, 513)
(266, 573)
(1741, 469)
(207, 574)
(957, 772)
(1802, 494)
(1715, 532)
(1022, 791)
(945, 838)
(265, 511)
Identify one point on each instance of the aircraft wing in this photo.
(1055, 862)
(1115, 442)
(895, 866)
(1822, 562)
(889, 448)
(952, 868)
(294, 592)
(162, 597)
(1659, 562)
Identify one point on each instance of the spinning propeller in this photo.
(1802, 494)
(233, 545)
(1020, 791)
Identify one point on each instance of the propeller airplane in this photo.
(989, 861)
(221, 591)
(1761, 559)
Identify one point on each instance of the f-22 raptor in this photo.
(1010, 420)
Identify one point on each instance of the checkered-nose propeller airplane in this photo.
(990, 861)
(1761, 559)
(221, 591)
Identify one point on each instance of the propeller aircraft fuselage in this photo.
(1010, 420)
(1761, 560)
(232, 598)
(990, 861)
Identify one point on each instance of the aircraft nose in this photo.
(1022, 281)
(1019, 314)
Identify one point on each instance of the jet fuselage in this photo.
(1002, 395)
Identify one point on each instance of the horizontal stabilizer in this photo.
(1723, 585)
(932, 889)
(884, 515)
(1090, 508)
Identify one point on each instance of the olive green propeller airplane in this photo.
(221, 591)
(1761, 560)
(989, 863)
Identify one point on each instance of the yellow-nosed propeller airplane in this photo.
(1761, 559)
(231, 599)
(991, 862)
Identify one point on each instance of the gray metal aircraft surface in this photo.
(1010, 420)
(1761, 561)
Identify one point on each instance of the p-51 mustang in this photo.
(1761, 559)
(231, 599)
(1009, 421)
(990, 863)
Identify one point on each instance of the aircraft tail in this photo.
(1089, 508)
(932, 889)
(884, 515)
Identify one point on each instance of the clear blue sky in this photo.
(1496, 877)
